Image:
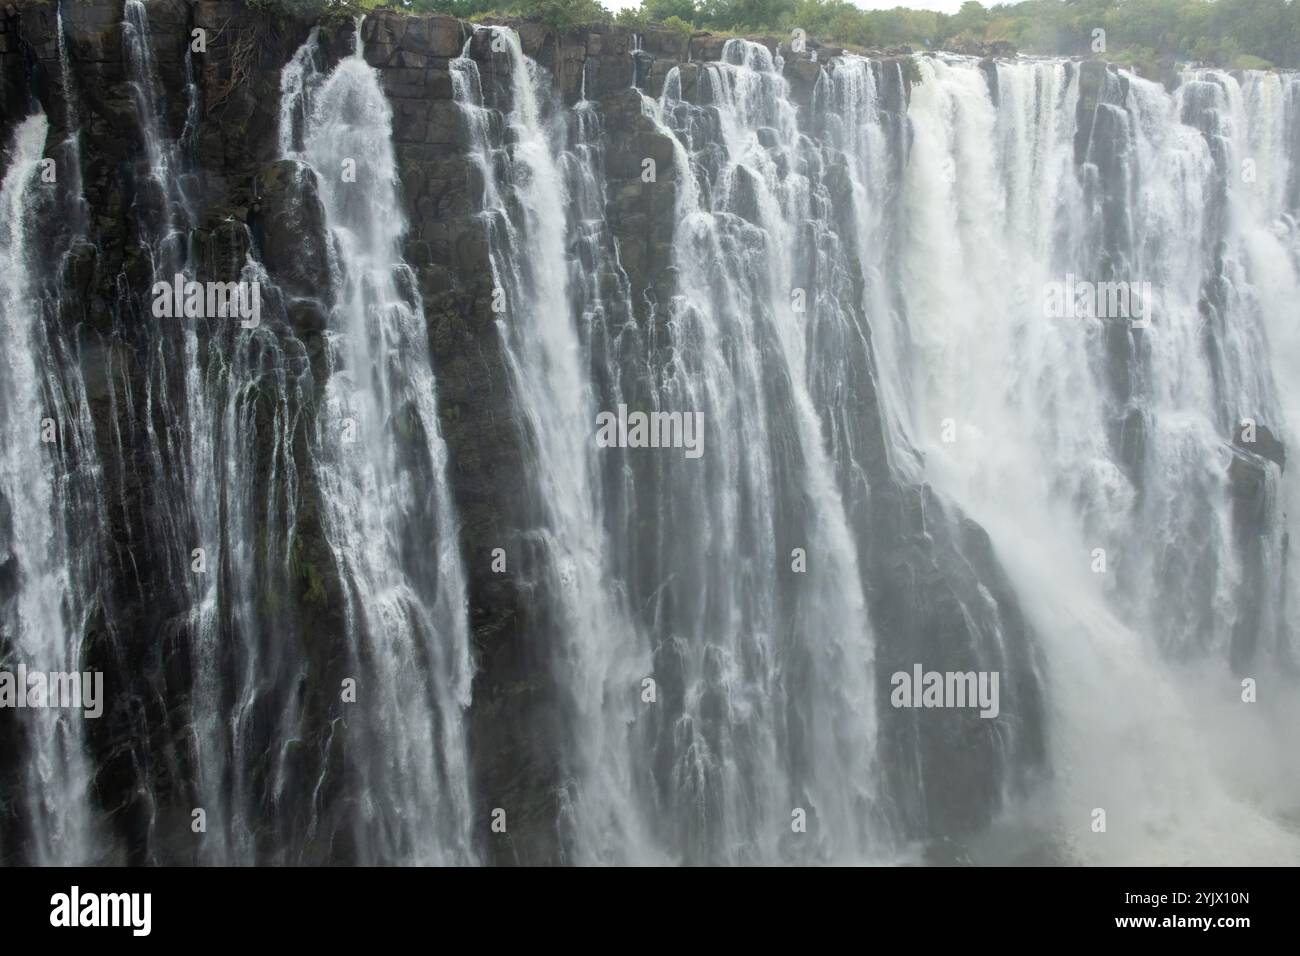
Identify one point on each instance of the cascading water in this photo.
(1099, 453)
(223, 425)
(780, 706)
(525, 213)
(787, 310)
(860, 274)
(41, 599)
(51, 520)
(380, 463)
(180, 433)
(73, 124)
(299, 81)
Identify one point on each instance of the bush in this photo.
(661, 11)
(1247, 62)
(564, 14)
(632, 19)
(679, 26)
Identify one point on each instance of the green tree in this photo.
(661, 10)
(564, 14)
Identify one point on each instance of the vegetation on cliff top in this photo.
(1230, 33)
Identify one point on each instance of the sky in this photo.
(944, 6)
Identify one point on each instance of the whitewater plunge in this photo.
(857, 309)
(1084, 440)
(912, 464)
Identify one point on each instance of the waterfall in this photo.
(745, 742)
(983, 367)
(222, 409)
(380, 462)
(40, 597)
(51, 519)
(789, 663)
(72, 122)
(1077, 436)
(804, 288)
(299, 81)
(598, 662)
(179, 435)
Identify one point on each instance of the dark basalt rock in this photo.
(968, 46)
(288, 223)
(989, 68)
(1264, 443)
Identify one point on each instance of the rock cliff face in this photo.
(232, 198)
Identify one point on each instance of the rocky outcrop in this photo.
(1254, 471)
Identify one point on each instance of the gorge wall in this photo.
(470, 240)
